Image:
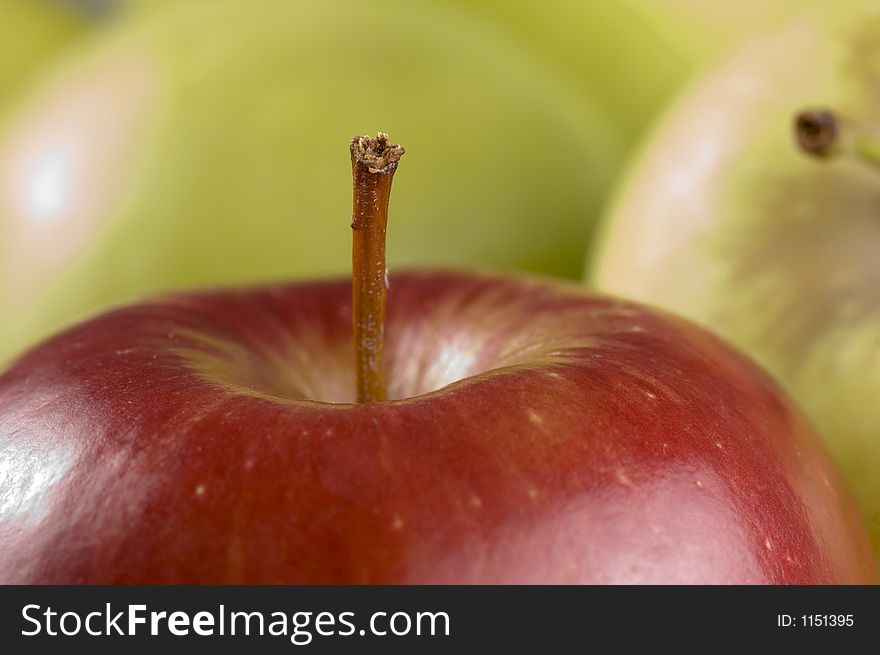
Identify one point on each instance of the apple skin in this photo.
(543, 435)
(229, 127)
(724, 221)
(32, 34)
(655, 45)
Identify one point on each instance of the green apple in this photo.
(32, 33)
(725, 220)
(633, 54)
(194, 145)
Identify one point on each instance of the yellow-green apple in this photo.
(33, 33)
(516, 430)
(724, 220)
(632, 54)
(195, 129)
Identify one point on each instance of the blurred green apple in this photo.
(200, 144)
(32, 33)
(633, 54)
(724, 220)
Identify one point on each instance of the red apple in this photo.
(534, 433)
(539, 434)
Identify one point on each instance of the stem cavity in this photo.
(373, 163)
(825, 134)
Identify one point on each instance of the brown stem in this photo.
(826, 135)
(373, 163)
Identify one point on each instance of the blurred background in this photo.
(147, 145)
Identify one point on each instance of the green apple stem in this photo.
(373, 163)
(826, 135)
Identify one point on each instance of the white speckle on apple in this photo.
(650, 395)
(200, 490)
(533, 493)
(623, 478)
(476, 502)
(700, 484)
(397, 523)
(767, 543)
(535, 417)
(719, 445)
(249, 464)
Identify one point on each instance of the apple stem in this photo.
(373, 163)
(826, 135)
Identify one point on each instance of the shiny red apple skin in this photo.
(591, 441)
